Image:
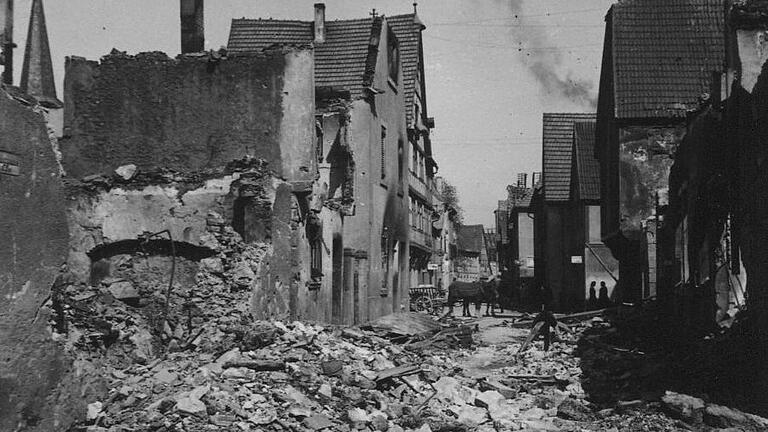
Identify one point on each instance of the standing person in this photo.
(592, 301)
(603, 301)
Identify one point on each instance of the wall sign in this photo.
(9, 164)
(576, 259)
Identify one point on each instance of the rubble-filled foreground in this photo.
(218, 370)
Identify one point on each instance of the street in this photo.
(403, 372)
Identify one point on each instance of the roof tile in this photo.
(557, 152)
(339, 61)
(665, 52)
(587, 166)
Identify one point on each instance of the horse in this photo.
(474, 292)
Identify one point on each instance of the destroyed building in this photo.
(658, 58)
(717, 198)
(360, 88)
(199, 147)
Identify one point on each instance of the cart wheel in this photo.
(423, 304)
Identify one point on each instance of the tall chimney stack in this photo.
(319, 22)
(192, 26)
(522, 180)
(6, 39)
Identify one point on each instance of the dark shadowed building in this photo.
(557, 218)
(658, 59)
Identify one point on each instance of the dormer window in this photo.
(393, 55)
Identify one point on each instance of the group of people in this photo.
(598, 301)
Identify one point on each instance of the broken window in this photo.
(315, 239)
(393, 55)
(383, 153)
(319, 151)
(400, 161)
(250, 219)
(384, 263)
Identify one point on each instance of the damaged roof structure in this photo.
(664, 53)
(660, 58)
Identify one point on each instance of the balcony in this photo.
(421, 238)
(418, 186)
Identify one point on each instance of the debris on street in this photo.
(404, 372)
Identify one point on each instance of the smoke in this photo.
(546, 62)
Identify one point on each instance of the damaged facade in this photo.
(717, 196)
(223, 146)
(360, 101)
(658, 58)
(34, 234)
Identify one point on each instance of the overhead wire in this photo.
(519, 16)
(512, 47)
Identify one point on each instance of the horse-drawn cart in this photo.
(427, 298)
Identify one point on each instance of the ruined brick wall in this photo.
(155, 144)
(189, 113)
(33, 235)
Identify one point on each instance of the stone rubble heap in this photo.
(227, 372)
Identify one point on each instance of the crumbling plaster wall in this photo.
(645, 161)
(36, 378)
(381, 204)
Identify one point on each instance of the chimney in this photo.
(6, 39)
(192, 26)
(319, 22)
(536, 178)
(522, 180)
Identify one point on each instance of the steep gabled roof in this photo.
(664, 54)
(557, 152)
(469, 238)
(587, 166)
(340, 61)
(408, 29)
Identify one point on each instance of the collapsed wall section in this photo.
(171, 144)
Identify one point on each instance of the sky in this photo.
(492, 67)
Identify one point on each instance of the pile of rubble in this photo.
(308, 377)
(209, 366)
